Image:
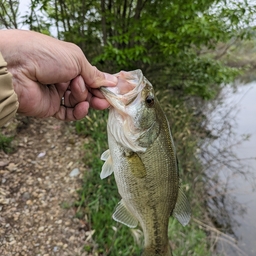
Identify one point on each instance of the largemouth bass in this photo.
(143, 159)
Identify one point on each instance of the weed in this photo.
(6, 144)
(65, 205)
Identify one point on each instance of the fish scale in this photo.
(143, 159)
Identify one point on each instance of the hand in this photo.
(45, 69)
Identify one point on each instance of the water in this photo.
(244, 193)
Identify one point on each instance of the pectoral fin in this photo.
(124, 216)
(107, 166)
(182, 210)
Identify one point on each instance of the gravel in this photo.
(34, 182)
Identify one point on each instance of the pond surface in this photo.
(244, 193)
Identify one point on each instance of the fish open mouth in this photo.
(127, 89)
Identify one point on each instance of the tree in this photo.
(173, 42)
(166, 39)
(9, 13)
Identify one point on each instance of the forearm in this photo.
(8, 98)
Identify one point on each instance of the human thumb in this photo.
(94, 78)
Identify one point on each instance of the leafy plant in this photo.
(174, 43)
(6, 144)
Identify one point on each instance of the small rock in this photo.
(41, 229)
(26, 196)
(42, 154)
(12, 242)
(4, 163)
(4, 200)
(74, 172)
(72, 238)
(29, 202)
(11, 167)
(69, 165)
(55, 248)
(2, 192)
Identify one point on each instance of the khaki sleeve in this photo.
(8, 98)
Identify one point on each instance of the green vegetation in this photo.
(190, 240)
(186, 49)
(166, 39)
(242, 54)
(6, 144)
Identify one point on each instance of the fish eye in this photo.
(150, 100)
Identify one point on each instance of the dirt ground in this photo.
(37, 189)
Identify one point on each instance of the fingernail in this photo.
(111, 78)
(82, 84)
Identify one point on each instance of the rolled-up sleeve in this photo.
(8, 98)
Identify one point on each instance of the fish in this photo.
(143, 159)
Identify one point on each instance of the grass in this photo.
(6, 144)
(98, 199)
(189, 240)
